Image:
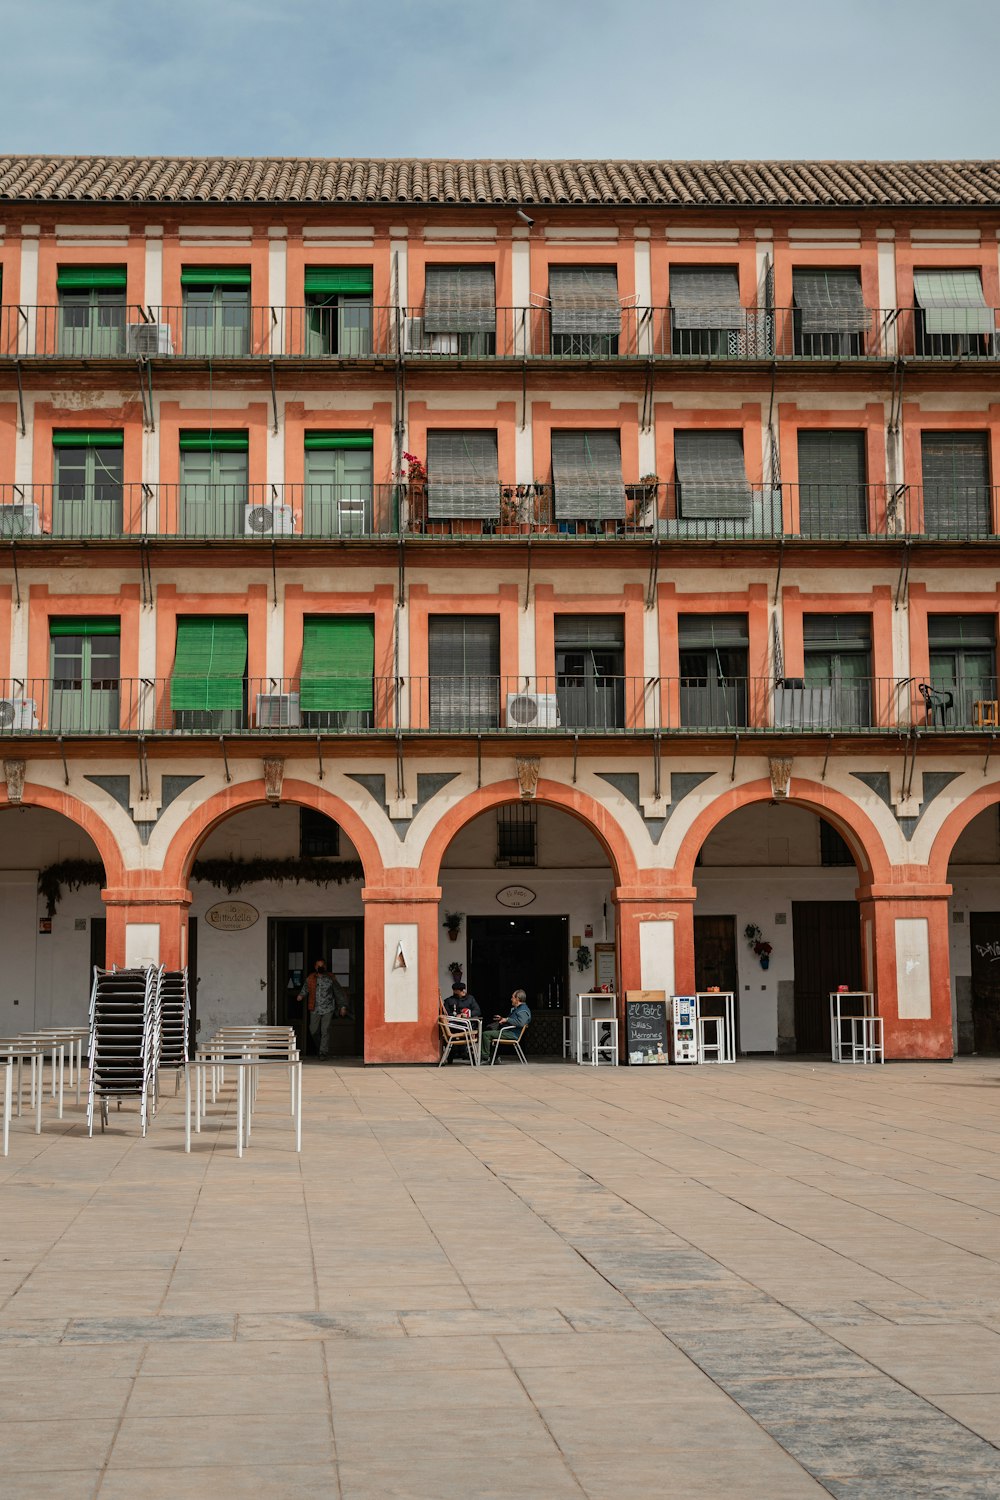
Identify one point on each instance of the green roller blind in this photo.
(209, 663)
(338, 664)
(217, 442)
(316, 440)
(345, 281)
(215, 276)
(85, 627)
(83, 437)
(952, 302)
(90, 278)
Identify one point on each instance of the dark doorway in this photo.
(528, 953)
(715, 959)
(295, 945)
(826, 946)
(98, 950)
(984, 934)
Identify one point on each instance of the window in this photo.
(712, 484)
(84, 660)
(713, 661)
(587, 477)
(216, 311)
(956, 475)
(337, 680)
(590, 667)
(339, 311)
(91, 310)
(208, 686)
(830, 318)
(838, 669)
(962, 668)
(462, 476)
(951, 316)
(87, 495)
(338, 494)
(517, 834)
(705, 312)
(213, 492)
(833, 497)
(586, 314)
(319, 836)
(464, 661)
(832, 848)
(460, 313)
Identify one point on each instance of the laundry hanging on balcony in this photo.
(952, 302)
(829, 301)
(585, 299)
(705, 297)
(462, 476)
(711, 477)
(460, 299)
(587, 476)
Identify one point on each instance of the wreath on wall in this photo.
(227, 875)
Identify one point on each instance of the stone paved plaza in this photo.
(770, 1280)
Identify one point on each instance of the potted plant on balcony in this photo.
(453, 924)
(642, 497)
(758, 944)
(415, 475)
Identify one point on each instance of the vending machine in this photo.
(684, 1028)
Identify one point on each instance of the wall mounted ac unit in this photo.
(19, 519)
(278, 711)
(532, 711)
(145, 340)
(417, 341)
(17, 713)
(268, 520)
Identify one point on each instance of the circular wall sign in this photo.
(231, 916)
(515, 895)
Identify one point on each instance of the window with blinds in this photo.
(829, 301)
(837, 660)
(956, 478)
(585, 310)
(713, 666)
(84, 659)
(463, 653)
(587, 476)
(590, 665)
(216, 311)
(338, 668)
(963, 673)
(462, 475)
(87, 498)
(833, 496)
(711, 475)
(338, 311)
(705, 297)
(460, 299)
(92, 310)
(214, 483)
(952, 302)
(208, 683)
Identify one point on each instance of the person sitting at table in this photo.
(463, 1008)
(519, 1017)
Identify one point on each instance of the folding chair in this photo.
(514, 1040)
(459, 1032)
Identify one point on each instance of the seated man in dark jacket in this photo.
(519, 1016)
(461, 1001)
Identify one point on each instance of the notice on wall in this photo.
(646, 1034)
(604, 965)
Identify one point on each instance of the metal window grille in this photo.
(517, 834)
(832, 848)
(319, 836)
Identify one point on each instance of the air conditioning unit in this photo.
(532, 711)
(417, 341)
(268, 520)
(19, 519)
(146, 340)
(278, 711)
(17, 713)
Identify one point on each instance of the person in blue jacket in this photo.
(519, 1016)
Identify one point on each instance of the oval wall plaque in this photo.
(515, 895)
(231, 916)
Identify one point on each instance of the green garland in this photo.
(67, 874)
(225, 874)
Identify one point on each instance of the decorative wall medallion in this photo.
(781, 775)
(13, 774)
(274, 773)
(231, 916)
(515, 895)
(527, 775)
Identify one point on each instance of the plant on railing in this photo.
(757, 943)
(67, 874)
(415, 471)
(452, 923)
(583, 958)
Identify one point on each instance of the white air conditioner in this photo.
(19, 519)
(417, 341)
(532, 711)
(278, 711)
(145, 340)
(17, 713)
(268, 520)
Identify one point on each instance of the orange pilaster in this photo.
(908, 968)
(401, 1007)
(166, 908)
(653, 901)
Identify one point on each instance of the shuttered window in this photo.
(837, 632)
(460, 299)
(956, 475)
(829, 301)
(338, 664)
(955, 631)
(709, 632)
(711, 476)
(585, 299)
(462, 475)
(210, 276)
(705, 297)
(464, 662)
(587, 476)
(91, 278)
(832, 492)
(952, 302)
(210, 662)
(339, 281)
(589, 633)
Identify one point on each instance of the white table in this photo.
(855, 1029)
(208, 1063)
(585, 1008)
(716, 1033)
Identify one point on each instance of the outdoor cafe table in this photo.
(246, 1058)
(21, 1049)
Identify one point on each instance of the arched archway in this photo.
(965, 859)
(85, 818)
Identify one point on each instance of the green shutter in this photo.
(952, 302)
(338, 664)
(316, 440)
(209, 663)
(82, 437)
(90, 278)
(215, 276)
(85, 627)
(343, 281)
(208, 441)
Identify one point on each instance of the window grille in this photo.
(517, 834)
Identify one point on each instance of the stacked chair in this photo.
(175, 1009)
(124, 1041)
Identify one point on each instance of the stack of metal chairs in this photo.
(124, 1041)
(175, 1009)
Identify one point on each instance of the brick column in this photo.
(147, 925)
(655, 934)
(401, 966)
(905, 952)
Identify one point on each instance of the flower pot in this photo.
(765, 961)
(452, 934)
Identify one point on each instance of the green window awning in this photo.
(84, 437)
(952, 302)
(214, 442)
(91, 278)
(357, 440)
(85, 627)
(338, 664)
(343, 281)
(210, 662)
(215, 276)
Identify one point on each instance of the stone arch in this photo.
(91, 823)
(955, 825)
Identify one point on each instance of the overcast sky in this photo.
(575, 78)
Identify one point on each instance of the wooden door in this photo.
(826, 945)
(715, 958)
(984, 933)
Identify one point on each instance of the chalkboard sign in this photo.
(646, 1036)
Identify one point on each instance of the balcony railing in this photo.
(351, 332)
(561, 704)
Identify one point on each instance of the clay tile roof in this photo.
(604, 184)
